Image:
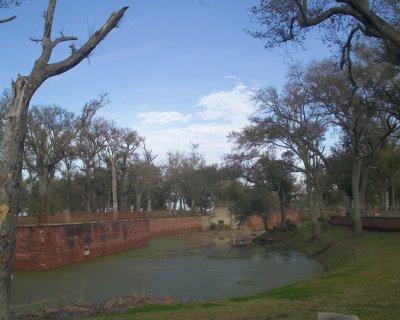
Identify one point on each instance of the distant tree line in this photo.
(87, 163)
(326, 140)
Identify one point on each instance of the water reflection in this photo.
(188, 267)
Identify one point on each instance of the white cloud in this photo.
(163, 118)
(220, 113)
(232, 77)
(233, 106)
(210, 137)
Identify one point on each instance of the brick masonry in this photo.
(43, 247)
(378, 223)
(50, 246)
(256, 222)
(47, 246)
(166, 226)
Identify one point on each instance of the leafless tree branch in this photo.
(7, 19)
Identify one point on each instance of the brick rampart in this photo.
(49, 246)
(81, 217)
(273, 220)
(379, 223)
(166, 226)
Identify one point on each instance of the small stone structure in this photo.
(221, 216)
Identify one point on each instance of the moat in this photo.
(188, 267)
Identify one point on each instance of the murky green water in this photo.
(187, 267)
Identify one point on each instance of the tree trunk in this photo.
(317, 197)
(125, 183)
(193, 206)
(363, 187)
(355, 186)
(10, 179)
(265, 220)
(313, 210)
(114, 184)
(68, 205)
(13, 140)
(393, 200)
(320, 209)
(138, 200)
(174, 206)
(148, 201)
(387, 203)
(44, 180)
(381, 200)
(283, 208)
(88, 190)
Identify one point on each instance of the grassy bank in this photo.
(362, 278)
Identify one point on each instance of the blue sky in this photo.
(178, 71)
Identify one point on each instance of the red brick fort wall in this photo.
(50, 246)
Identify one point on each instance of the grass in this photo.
(362, 277)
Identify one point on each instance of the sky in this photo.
(177, 71)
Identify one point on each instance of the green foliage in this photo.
(246, 200)
(218, 227)
(290, 226)
(213, 227)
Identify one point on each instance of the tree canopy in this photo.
(346, 22)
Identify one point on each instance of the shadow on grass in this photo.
(171, 307)
(291, 292)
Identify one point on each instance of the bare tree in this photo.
(150, 174)
(344, 20)
(192, 164)
(4, 101)
(174, 179)
(7, 19)
(91, 142)
(113, 148)
(130, 142)
(146, 176)
(5, 4)
(23, 90)
(51, 131)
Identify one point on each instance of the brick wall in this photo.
(255, 222)
(42, 247)
(274, 219)
(49, 246)
(77, 217)
(379, 223)
(165, 226)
